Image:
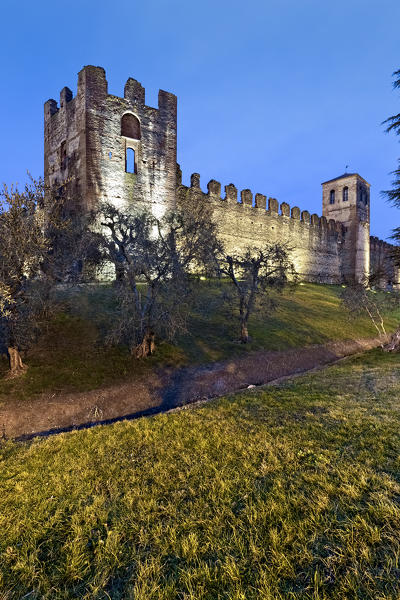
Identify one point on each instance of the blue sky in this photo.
(275, 95)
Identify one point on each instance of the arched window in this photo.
(345, 194)
(332, 197)
(130, 161)
(130, 126)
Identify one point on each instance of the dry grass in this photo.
(283, 492)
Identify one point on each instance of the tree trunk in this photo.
(394, 343)
(244, 334)
(119, 273)
(17, 367)
(146, 347)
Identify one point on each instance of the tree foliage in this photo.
(155, 261)
(40, 245)
(393, 195)
(24, 247)
(74, 253)
(254, 274)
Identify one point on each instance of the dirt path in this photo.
(52, 413)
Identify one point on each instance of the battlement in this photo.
(257, 202)
(245, 218)
(111, 147)
(377, 243)
(93, 87)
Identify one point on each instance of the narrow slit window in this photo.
(63, 155)
(332, 197)
(130, 162)
(345, 194)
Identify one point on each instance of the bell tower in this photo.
(347, 200)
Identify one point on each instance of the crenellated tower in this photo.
(347, 200)
(101, 147)
(98, 146)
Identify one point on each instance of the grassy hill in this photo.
(283, 492)
(71, 356)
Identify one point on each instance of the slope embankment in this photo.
(166, 389)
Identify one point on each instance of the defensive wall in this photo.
(98, 146)
(382, 263)
(246, 220)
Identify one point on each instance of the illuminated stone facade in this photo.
(101, 147)
(89, 139)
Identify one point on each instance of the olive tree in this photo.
(24, 246)
(156, 262)
(254, 274)
(40, 245)
(360, 300)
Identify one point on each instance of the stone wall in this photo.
(85, 151)
(65, 145)
(382, 264)
(252, 221)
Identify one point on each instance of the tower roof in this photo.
(344, 176)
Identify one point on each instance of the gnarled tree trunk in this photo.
(17, 367)
(394, 343)
(146, 347)
(244, 334)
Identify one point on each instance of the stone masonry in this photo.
(86, 146)
(101, 147)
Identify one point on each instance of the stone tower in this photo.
(102, 147)
(347, 200)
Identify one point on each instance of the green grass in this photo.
(312, 314)
(71, 355)
(286, 492)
